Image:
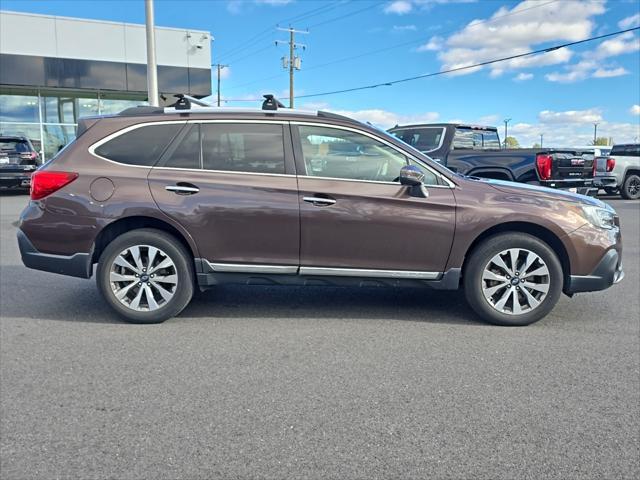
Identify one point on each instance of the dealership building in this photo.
(54, 70)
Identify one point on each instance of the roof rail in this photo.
(140, 110)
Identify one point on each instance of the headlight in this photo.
(599, 217)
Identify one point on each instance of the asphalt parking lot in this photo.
(275, 382)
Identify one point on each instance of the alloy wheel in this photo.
(143, 278)
(515, 281)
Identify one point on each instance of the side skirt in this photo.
(208, 277)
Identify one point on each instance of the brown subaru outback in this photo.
(164, 201)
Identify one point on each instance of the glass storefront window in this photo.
(110, 106)
(56, 137)
(29, 130)
(19, 108)
(68, 109)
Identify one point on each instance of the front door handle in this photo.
(182, 188)
(319, 200)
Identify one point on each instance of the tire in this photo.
(611, 190)
(169, 278)
(482, 277)
(630, 189)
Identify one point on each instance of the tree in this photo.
(511, 142)
(601, 141)
(536, 145)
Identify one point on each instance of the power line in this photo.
(347, 15)
(392, 47)
(412, 42)
(459, 69)
(260, 36)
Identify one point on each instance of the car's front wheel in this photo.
(146, 276)
(513, 279)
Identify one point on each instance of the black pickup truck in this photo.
(476, 151)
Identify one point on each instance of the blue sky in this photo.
(560, 94)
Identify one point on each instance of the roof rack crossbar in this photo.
(271, 102)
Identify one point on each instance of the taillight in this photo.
(611, 163)
(44, 183)
(543, 164)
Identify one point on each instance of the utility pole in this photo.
(541, 137)
(595, 133)
(152, 67)
(219, 67)
(506, 122)
(293, 63)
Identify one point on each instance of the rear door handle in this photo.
(319, 200)
(182, 188)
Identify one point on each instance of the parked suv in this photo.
(620, 172)
(18, 160)
(164, 201)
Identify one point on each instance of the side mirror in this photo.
(412, 177)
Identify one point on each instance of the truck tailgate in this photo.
(571, 165)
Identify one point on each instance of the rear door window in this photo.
(626, 150)
(243, 147)
(141, 146)
(425, 139)
(475, 139)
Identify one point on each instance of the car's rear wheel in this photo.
(146, 276)
(631, 187)
(513, 279)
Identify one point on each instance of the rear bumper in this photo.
(15, 179)
(607, 272)
(76, 265)
(605, 181)
(582, 186)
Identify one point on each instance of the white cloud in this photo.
(521, 77)
(630, 22)
(402, 7)
(399, 7)
(404, 28)
(512, 31)
(635, 110)
(570, 116)
(235, 6)
(435, 43)
(224, 73)
(379, 117)
(608, 73)
(591, 63)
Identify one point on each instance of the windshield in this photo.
(423, 139)
(19, 146)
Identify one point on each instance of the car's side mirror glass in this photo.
(412, 177)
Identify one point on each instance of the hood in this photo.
(548, 193)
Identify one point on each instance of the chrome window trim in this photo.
(99, 143)
(92, 147)
(417, 127)
(449, 183)
(372, 273)
(252, 268)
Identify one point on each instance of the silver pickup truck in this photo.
(620, 171)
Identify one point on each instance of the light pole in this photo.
(541, 137)
(152, 69)
(595, 133)
(506, 122)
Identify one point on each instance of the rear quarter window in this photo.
(141, 146)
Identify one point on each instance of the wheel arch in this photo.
(127, 224)
(535, 230)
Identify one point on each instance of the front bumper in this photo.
(607, 272)
(76, 265)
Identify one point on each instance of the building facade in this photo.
(54, 70)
